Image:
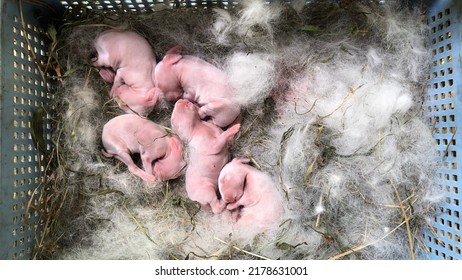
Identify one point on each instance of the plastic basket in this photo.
(442, 101)
(24, 90)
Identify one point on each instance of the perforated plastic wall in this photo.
(23, 90)
(443, 104)
(145, 5)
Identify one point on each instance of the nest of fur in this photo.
(332, 109)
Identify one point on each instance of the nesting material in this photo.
(331, 103)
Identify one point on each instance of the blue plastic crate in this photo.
(442, 102)
(23, 90)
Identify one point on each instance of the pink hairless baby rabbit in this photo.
(251, 195)
(126, 59)
(188, 77)
(208, 153)
(161, 154)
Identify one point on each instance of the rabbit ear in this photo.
(173, 55)
(175, 50)
(171, 59)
